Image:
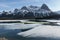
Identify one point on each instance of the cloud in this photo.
(4, 5)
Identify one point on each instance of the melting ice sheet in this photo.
(42, 31)
(13, 26)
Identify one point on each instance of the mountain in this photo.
(30, 12)
(24, 8)
(44, 6)
(58, 12)
(44, 9)
(35, 11)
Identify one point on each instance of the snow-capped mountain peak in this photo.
(35, 10)
(24, 8)
(44, 6)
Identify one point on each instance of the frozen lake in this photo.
(49, 30)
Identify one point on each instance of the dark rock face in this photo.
(29, 15)
(33, 6)
(24, 8)
(44, 6)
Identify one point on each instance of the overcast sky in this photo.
(7, 5)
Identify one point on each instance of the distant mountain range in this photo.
(30, 12)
